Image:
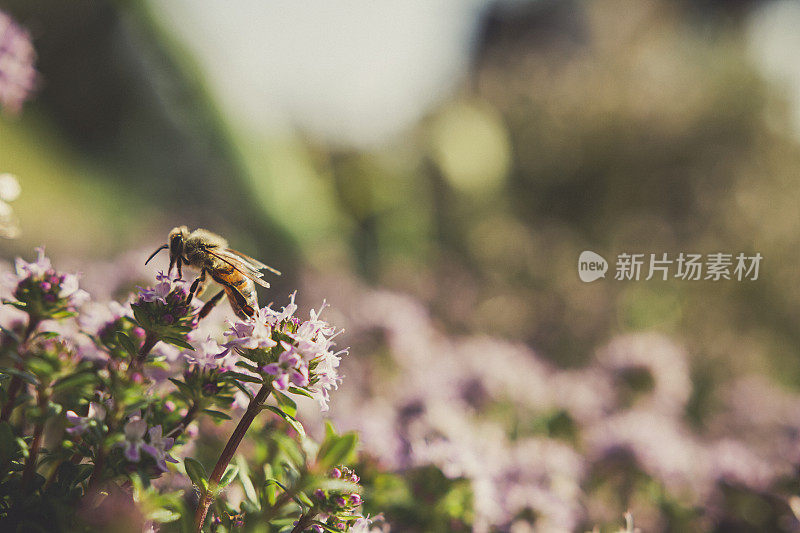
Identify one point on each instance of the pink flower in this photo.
(156, 446)
(250, 334)
(17, 73)
(134, 430)
(205, 354)
(160, 292)
(309, 346)
(38, 283)
(81, 423)
(361, 525)
(38, 267)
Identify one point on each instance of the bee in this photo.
(208, 252)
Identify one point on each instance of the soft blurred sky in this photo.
(774, 41)
(351, 72)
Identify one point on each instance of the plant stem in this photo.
(185, 421)
(150, 340)
(227, 454)
(16, 382)
(36, 444)
(305, 520)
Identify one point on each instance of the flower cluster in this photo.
(42, 292)
(165, 310)
(17, 73)
(125, 389)
(290, 368)
(156, 445)
(291, 352)
(541, 447)
(105, 320)
(336, 507)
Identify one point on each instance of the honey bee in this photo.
(208, 252)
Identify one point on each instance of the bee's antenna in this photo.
(162, 247)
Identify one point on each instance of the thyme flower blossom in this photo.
(43, 292)
(291, 350)
(17, 73)
(290, 367)
(337, 506)
(156, 446)
(166, 285)
(250, 334)
(361, 525)
(165, 309)
(205, 354)
(97, 413)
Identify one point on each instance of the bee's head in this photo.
(175, 247)
(176, 239)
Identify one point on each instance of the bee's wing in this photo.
(244, 267)
(255, 263)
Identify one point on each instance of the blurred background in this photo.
(434, 169)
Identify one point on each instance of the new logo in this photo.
(591, 266)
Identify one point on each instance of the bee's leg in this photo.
(198, 285)
(209, 305)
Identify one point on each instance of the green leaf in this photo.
(287, 404)
(243, 389)
(337, 450)
(183, 387)
(292, 421)
(84, 471)
(140, 319)
(248, 366)
(8, 443)
(26, 376)
(289, 447)
(242, 377)
(283, 524)
(326, 527)
(303, 499)
(76, 380)
(247, 483)
(217, 415)
(126, 342)
(228, 476)
(181, 343)
(163, 516)
(301, 392)
(196, 472)
(330, 431)
(63, 314)
(276, 482)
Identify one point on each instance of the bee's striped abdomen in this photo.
(245, 302)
